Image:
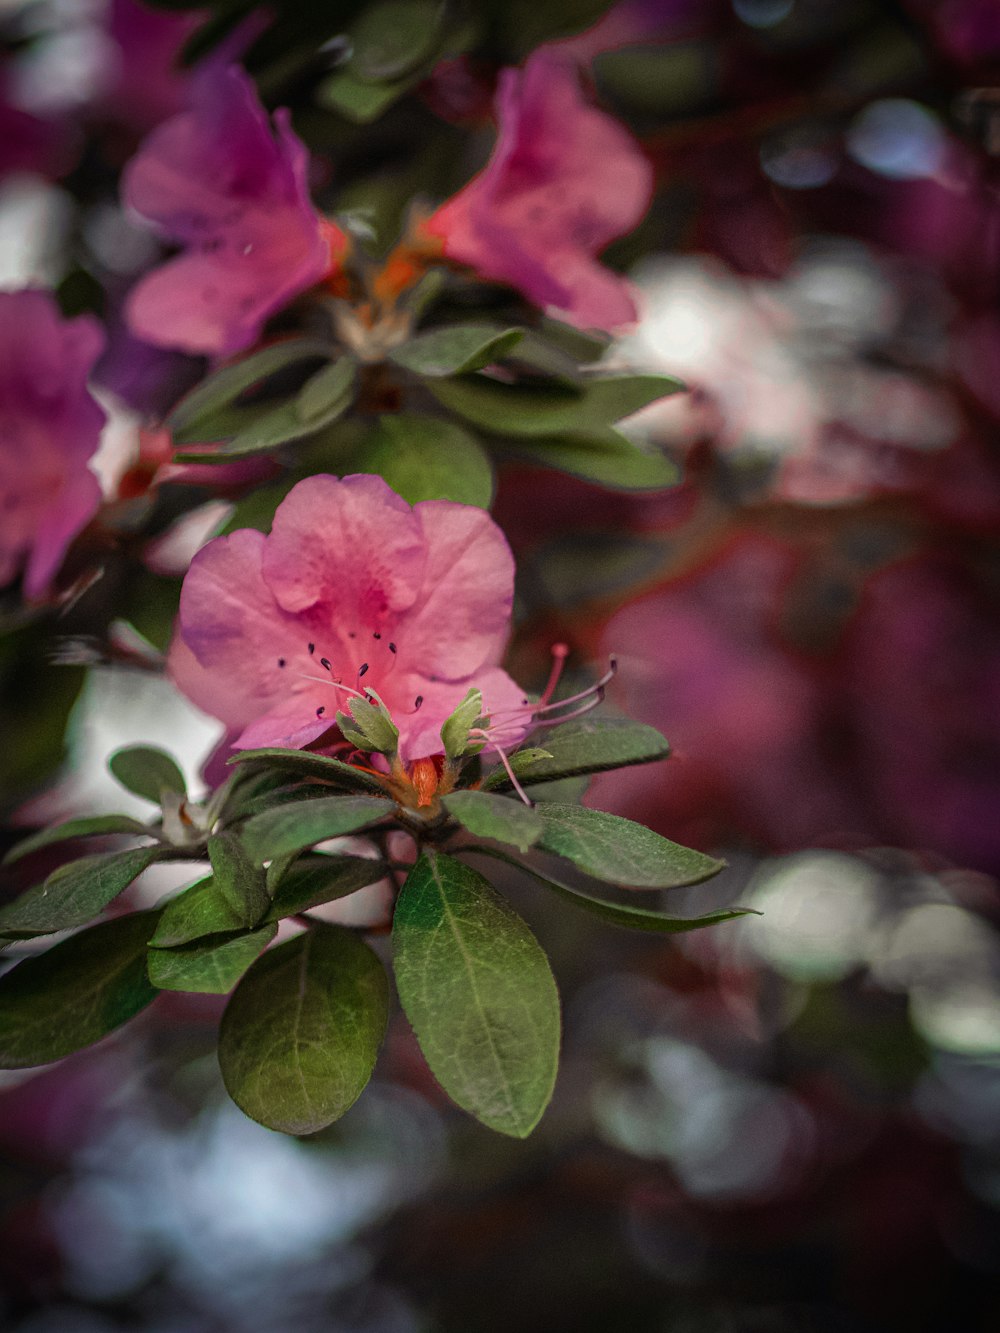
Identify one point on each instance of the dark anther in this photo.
(312, 647)
(351, 634)
(320, 710)
(362, 668)
(281, 661)
(524, 701)
(376, 635)
(418, 701)
(325, 662)
(392, 647)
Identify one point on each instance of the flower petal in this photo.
(349, 545)
(217, 179)
(232, 625)
(464, 605)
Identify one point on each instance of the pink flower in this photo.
(351, 589)
(564, 180)
(217, 180)
(49, 427)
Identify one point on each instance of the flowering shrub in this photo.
(349, 625)
(367, 500)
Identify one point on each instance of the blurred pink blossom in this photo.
(565, 180)
(352, 589)
(147, 84)
(50, 427)
(217, 180)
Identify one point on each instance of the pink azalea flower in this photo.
(49, 427)
(351, 589)
(236, 197)
(564, 180)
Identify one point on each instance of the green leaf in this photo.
(147, 771)
(288, 421)
(226, 385)
(300, 1036)
(308, 765)
(456, 726)
(619, 851)
(532, 412)
(603, 456)
(330, 390)
(620, 914)
(585, 746)
(455, 349)
(427, 458)
(369, 726)
(93, 826)
(359, 101)
(239, 880)
(395, 38)
(539, 356)
(323, 879)
(584, 348)
(289, 828)
(75, 993)
(499, 817)
(479, 993)
(75, 893)
(570, 791)
(209, 968)
(199, 911)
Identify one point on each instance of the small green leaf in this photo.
(211, 967)
(281, 425)
(603, 456)
(522, 760)
(394, 38)
(239, 880)
(620, 914)
(586, 745)
(619, 851)
(455, 728)
(455, 350)
(359, 101)
(538, 356)
(75, 893)
(93, 826)
(75, 993)
(369, 726)
(427, 458)
(289, 828)
(199, 911)
(499, 817)
(300, 1036)
(308, 765)
(531, 412)
(147, 771)
(225, 385)
(323, 879)
(329, 391)
(479, 993)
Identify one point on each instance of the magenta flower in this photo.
(49, 427)
(236, 197)
(352, 589)
(564, 180)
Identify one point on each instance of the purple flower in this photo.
(564, 180)
(49, 427)
(216, 179)
(352, 589)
